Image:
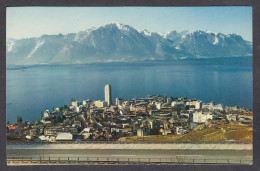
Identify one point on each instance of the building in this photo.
(169, 100)
(86, 102)
(181, 130)
(108, 94)
(79, 108)
(46, 113)
(218, 107)
(64, 136)
(231, 117)
(178, 104)
(198, 105)
(49, 114)
(76, 103)
(209, 106)
(33, 132)
(119, 101)
(139, 107)
(143, 132)
(100, 104)
(49, 131)
(158, 105)
(201, 117)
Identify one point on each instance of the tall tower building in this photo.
(108, 94)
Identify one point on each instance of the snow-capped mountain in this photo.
(116, 42)
(210, 44)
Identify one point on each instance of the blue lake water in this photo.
(32, 90)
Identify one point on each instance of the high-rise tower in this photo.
(108, 94)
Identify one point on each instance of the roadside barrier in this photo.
(22, 160)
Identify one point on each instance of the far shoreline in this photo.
(245, 61)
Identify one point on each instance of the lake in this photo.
(30, 90)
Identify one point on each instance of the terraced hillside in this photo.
(222, 133)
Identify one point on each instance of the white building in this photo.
(218, 107)
(119, 101)
(191, 103)
(232, 117)
(181, 130)
(177, 104)
(87, 130)
(108, 94)
(123, 112)
(201, 117)
(50, 114)
(64, 136)
(125, 106)
(169, 100)
(72, 107)
(209, 106)
(126, 103)
(158, 105)
(76, 103)
(100, 104)
(79, 108)
(86, 102)
(28, 137)
(141, 132)
(47, 113)
(198, 105)
(166, 132)
(42, 138)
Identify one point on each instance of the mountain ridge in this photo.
(116, 42)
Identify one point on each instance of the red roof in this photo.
(12, 127)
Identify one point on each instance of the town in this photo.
(109, 120)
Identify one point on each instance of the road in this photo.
(230, 153)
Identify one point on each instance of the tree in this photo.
(8, 122)
(59, 119)
(19, 119)
(72, 99)
(61, 108)
(41, 115)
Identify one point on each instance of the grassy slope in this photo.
(216, 133)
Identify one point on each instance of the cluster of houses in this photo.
(102, 121)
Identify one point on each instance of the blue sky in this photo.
(24, 22)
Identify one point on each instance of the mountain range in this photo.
(116, 42)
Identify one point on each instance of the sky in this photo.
(26, 22)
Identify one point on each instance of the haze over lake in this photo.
(31, 90)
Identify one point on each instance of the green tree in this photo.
(59, 119)
(8, 122)
(72, 99)
(41, 115)
(61, 108)
(19, 119)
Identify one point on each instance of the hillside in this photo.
(223, 133)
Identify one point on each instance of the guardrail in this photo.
(18, 160)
